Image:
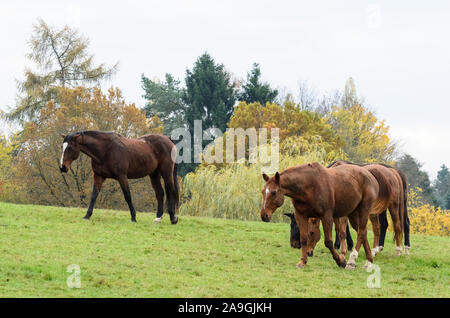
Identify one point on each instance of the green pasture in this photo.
(198, 257)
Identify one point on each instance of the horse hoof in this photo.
(342, 262)
(310, 254)
(174, 221)
(157, 220)
(398, 251)
(133, 220)
(375, 251)
(367, 265)
(407, 248)
(86, 218)
(300, 265)
(350, 266)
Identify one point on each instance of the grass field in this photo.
(198, 257)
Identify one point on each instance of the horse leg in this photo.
(302, 223)
(383, 228)
(123, 180)
(349, 237)
(98, 181)
(159, 192)
(337, 241)
(398, 229)
(170, 194)
(406, 225)
(340, 225)
(314, 235)
(327, 223)
(360, 217)
(376, 233)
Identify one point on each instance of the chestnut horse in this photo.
(114, 156)
(327, 194)
(396, 202)
(313, 234)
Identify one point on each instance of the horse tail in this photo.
(406, 223)
(175, 178)
(175, 182)
(385, 189)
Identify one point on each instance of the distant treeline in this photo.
(60, 94)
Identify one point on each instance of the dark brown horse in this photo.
(395, 201)
(114, 156)
(327, 194)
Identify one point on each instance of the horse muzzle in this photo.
(265, 217)
(63, 169)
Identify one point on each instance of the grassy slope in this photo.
(198, 257)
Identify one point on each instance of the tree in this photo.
(253, 90)
(442, 187)
(416, 176)
(37, 162)
(209, 95)
(365, 138)
(307, 96)
(349, 96)
(60, 58)
(289, 118)
(164, 99)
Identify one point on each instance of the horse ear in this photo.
(277, 178)
(265, 177)
(289, 214)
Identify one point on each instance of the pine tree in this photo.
(253, 90)
(210, 94)
(442, 187)
(164, 99)
(416, 176)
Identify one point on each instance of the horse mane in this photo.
(93, 133)
(362, 164)
(346, 162)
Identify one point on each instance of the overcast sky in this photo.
(398, 52)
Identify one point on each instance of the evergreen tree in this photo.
(210, 94)
(253, 90)
(416, 176)
(442, 187)
(165, 99)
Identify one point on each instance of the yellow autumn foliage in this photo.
(425, 218)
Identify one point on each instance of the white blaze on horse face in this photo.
(265, 197)
(63, 150)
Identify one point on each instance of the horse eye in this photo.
(273, 192)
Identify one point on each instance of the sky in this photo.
(398, 52)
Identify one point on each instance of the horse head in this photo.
(273, 196)
(70, 150)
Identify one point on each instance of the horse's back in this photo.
(352, 185)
